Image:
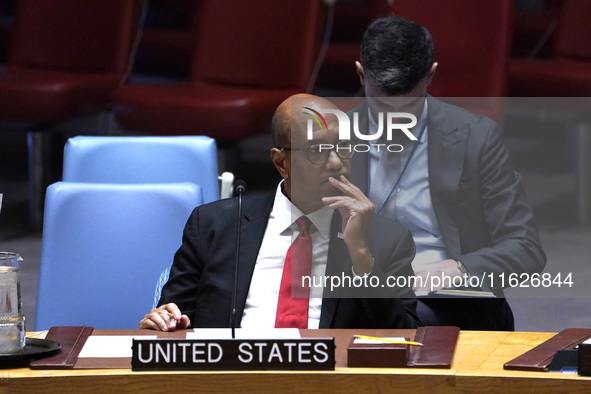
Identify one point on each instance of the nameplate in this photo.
(233, 354)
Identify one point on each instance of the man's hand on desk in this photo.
(165, 318)
(432, 274)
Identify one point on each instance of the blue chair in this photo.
(139, 159)
(104, 246)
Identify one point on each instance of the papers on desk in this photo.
(119, 346)
(451, 292)
(244, 333)
(110, 346)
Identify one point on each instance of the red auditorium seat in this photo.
(250, 55)
(66, 57)
(532, 28)
(567, 73)
(472, 46)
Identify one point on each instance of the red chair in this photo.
(250, 55)
(472, 45)
(567, 73)
(66, 58)
(533, 27)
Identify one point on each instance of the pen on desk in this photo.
(388, 340)
(37, 334)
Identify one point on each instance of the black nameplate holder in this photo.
(312, 354)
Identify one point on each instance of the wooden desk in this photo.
(477, 367)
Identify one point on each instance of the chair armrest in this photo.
(226, 184)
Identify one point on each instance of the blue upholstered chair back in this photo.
(100, 159)
(104, 246)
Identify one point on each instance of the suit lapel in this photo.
(255, 216)
(446, 150)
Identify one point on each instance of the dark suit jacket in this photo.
(479, 202)
(201, 277)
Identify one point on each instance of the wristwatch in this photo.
(462, 268)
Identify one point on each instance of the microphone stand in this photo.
(240, 189)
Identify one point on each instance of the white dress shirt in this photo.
(261, 302)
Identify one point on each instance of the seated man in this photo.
(336, 232)
(454, 187)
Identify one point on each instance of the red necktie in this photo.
(292, 307)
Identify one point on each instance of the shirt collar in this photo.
(285, 214)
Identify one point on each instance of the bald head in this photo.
(306, 181)
(284, 118)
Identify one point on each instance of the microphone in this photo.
(240, 189)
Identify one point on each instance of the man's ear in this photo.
(432, 72)
(280, 161)
(360, 72)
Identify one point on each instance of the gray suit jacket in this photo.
(477, 196)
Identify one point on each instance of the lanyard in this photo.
(412, 152)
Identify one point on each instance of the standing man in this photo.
(454, 187)
(315, 212)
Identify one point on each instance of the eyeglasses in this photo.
(318, 154)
